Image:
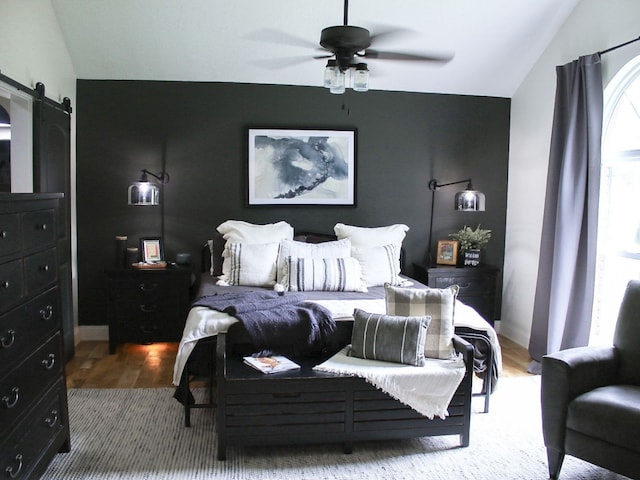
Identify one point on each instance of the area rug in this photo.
(139, 434)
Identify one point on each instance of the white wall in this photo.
(594, 25)
(32, 49)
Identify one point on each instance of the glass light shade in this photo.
(337, 83)
(144, 194)
(361, 78)
(329, 73)
(470, 201)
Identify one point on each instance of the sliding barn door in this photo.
(52, 174)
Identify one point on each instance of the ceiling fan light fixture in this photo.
(338, 82)
(329, 72)
(361, 78)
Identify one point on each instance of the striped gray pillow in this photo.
(389, 338)
(438, 303)
(324, 274)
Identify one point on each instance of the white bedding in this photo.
(203, 322)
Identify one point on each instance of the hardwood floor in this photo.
(151, 366)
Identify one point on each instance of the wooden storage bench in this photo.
(307, 406)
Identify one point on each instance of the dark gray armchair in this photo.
(591, 398)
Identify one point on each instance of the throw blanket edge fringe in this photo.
(423, 402)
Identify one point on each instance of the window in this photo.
(618, 250)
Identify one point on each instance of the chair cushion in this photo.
(611, 413)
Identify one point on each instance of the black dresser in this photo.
(147, 306)
(33, 397)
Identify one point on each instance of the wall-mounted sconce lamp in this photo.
(467, 200)
(144, 192)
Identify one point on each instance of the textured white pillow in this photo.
(295, 249)
(372, 236)
(380, 265)
(252, 265)
(324, 274)
(238, 231)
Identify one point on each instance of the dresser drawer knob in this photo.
(9, 402)
(46, 313)
(14, 471)
(3, 234)
(49, 362)
(52, 419)
(9, 339)
(42, 226)
(44, 268)
(148, 308)
(147, 288)
(4, 284)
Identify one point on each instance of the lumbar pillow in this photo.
(372, 236)
(380, 265)
(252, 265)
(435, 302)
(237, 231)
(295, 249)
(389, 338)
(325, 274)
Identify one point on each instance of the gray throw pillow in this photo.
(389, 338)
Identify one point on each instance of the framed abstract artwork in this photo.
(301, 167)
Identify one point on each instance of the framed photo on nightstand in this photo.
(151, 249)
(447, 252)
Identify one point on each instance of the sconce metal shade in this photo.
(144, 194)
(470, 201)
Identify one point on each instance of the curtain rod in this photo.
(618, 46)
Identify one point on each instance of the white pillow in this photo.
(295, 249)
(380, 265)
(237, 231)
(372, 236)
(252, 265)
(324, 274)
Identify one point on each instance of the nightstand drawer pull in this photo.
(148, 308)
(8, 402)
(147, 288)
(52, 419)
(44, 268)
(9, 340)
(464, 285)
(4, 284)
(42, 226)
(49, 362)
(14, 472)
(3, 234)
(46, 313)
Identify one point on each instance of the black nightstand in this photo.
(147, 306)
(478, 285)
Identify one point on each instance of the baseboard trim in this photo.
(94, 333)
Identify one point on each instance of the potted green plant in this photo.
(471, 243)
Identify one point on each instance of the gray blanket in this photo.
(277, 323)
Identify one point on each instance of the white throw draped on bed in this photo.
(427, 389)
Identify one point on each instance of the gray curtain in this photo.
(566, 269)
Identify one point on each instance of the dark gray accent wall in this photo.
(200, 131)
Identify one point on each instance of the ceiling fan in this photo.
(348, 45)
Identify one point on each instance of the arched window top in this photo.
(622, 112)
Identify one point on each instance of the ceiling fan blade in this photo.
(282, 62)
(410, 57)
(383, 34)
(278, 37)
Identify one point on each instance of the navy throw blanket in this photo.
(280, 323)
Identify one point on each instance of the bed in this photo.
(214, 342)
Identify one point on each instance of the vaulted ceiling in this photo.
(493, 43)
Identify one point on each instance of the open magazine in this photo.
(272, 364)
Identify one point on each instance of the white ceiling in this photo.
(494, 42)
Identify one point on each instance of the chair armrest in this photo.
(567, 374)
(460, 345)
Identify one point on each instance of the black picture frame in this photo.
(151, 250)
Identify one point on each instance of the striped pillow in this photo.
(380, 265)
(389, 338)
(252, 265)
(324, 274)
